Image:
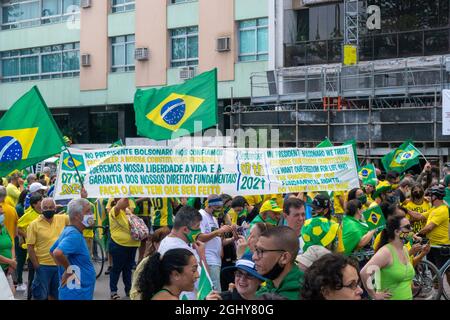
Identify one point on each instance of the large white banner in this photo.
(445, 112)
(167, 172)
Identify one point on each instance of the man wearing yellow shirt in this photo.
(436, 227)
(14, 188)
(46, 171)
(42, 233)
(121, 247)
(10, 213)
(31, 214)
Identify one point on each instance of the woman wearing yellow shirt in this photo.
(122, 247)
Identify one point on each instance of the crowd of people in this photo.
(308, 246)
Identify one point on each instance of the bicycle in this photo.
(427, 282)
(98, 256)
(444, 271)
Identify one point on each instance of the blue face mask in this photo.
(2, 220)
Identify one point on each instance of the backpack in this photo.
(138, 228)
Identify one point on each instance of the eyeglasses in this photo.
(241, 275)
(260, 251)
(353, 285)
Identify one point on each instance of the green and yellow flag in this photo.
(179, 110)
(28, 134)
(117, 144)
(205, 285)
(367, 174)
(403, 158)
(374, 218)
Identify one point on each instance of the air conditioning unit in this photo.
(187, 73)
(223, 44)
(141, 54)
(86, 60)
(85, 4)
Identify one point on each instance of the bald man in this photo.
(274, 256)
(41, 235)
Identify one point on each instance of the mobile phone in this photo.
(425, 241)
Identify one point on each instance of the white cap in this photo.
(311, 255)
(36, 186)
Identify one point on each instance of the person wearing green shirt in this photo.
(355, 233)
(270, 213)
(274, 257)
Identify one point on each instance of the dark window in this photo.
(104, 127)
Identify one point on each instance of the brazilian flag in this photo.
(74, 162)
(403, 158)
(28, 134)
(179, 110)
(367, 174)
(374, 218)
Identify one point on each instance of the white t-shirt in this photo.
(169, 243)
(213, 248)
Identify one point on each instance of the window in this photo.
(184, 47)
(103, 127)
(253, 40)
(30, 13)
(40, 63)
(122, 5)
(122, 49)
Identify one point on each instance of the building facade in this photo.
(89, 57)
(392, 93)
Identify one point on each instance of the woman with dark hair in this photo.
(391, 264)
(165, 277)
(357, 194)
(153, 243)
(332, 277)
(355, 232)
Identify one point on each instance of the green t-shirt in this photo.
(289, 288)
(5, 246)
(352, 232)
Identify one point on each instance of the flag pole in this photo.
(76, 168)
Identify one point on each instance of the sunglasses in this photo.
(407, 227)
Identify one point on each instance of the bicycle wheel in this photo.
(427, 283)
(98, 257)
(446, 282)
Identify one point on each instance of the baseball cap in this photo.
(311, 255)
(246, 264)
(270, 205)
(36, 186)
(321, 201)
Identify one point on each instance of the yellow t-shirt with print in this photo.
(120, 229)
(439, 216)
(43, 235)
(338, 209)
(252, 200)
(420, 208)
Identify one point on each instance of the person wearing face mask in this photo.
(383, 193)
(358, 194)
(70, 252)
(393, 178)
(391, 264)
(355, 232)
(403, 192)
(419, 204)
(212, 236)
(436, 225)
(321, 206)
(274, 257)
(184, 234)
(41, 235)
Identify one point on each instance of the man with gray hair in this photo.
(31, 178)
(70, 252)
(41, 235)
(46, 171)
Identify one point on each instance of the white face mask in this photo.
(88, 220)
